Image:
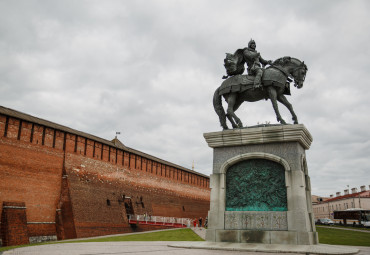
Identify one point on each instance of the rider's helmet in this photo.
(250, 42)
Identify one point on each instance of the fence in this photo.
(159, 221)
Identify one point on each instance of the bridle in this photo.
(289, 75)
(299, 68)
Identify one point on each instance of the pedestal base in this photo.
(260, 187)
(258, 236)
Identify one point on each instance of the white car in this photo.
(325, 221)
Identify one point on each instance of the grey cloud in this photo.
(149, 70)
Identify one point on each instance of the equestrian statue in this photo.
(272, 82)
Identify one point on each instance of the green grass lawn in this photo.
(343, 237)
(169, 235)
(184, 234)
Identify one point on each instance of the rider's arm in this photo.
(265, 62)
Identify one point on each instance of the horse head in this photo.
(295, 68)
(298, 71)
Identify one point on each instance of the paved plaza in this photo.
(124, 248)
(140, 248)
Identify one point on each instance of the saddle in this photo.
(240, 83)
(237, 83)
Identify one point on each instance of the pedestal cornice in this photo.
(259, 135)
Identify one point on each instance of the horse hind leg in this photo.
(217, 104)
(222, 117)
(223, 122)
(282, 99)
(230, 114)
(236, 107)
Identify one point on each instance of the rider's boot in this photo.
(257, 79)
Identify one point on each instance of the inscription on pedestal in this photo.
(273, 221)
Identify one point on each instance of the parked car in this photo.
(325, 221)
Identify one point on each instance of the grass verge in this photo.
(343, 237)
(184, 234)
(169, 235)
(350, 227)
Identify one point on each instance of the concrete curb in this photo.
(201, 232)
(273, 248)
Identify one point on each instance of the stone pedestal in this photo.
(274, 205)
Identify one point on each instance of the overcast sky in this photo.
(149, 70)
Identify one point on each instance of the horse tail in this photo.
(217, 105)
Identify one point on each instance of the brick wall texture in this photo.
(74, 186)
(14, 224)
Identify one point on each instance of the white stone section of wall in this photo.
(40, 239)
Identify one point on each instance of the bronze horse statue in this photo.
(275, 81)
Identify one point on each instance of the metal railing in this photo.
(159, 220)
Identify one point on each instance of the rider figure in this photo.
(254, 61)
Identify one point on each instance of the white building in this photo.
(355, 199)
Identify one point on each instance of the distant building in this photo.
(325, 207)
(317, 199)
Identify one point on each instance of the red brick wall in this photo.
(31, 174)
(64, 218)
(14, 223)
(33, 159)
(41, 229)
(93, 182)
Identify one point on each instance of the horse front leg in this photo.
(282, 99)
(233, 124)
(237, 104)
(230, 114)
(273, 97)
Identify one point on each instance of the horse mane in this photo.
(282, 61)
(301, 63)
(286, 60)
